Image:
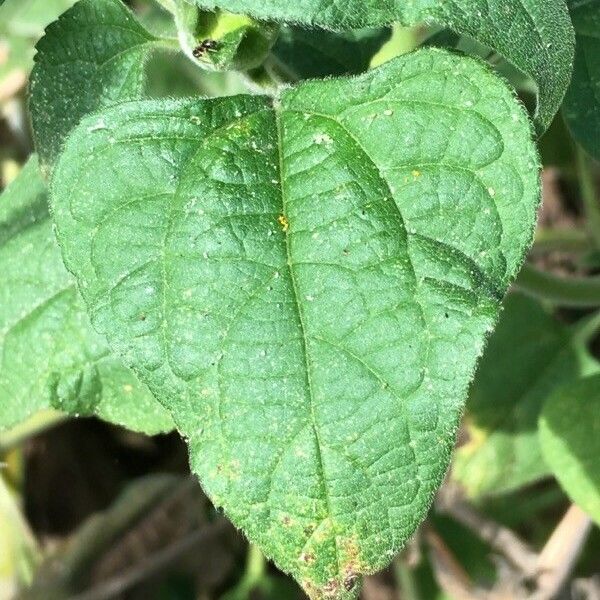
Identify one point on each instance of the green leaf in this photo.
(570, 439)
(93, 56)
(582, 102)
(238, 42)
(527, 358)
(317, 53)
(536, 36)
(49, 353)
(316, 276)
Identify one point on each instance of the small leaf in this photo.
(582, 102)
(536, 36)
(317, 275)
(222, 41)
(529, 355)
(570, 439)
(77, 73)
(49, 353)
(316, 53)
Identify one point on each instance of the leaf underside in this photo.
(306, 284)
(536, 36)
(49, 354)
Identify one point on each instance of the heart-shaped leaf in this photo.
(49, 354)
(307, 283)
(536, 36)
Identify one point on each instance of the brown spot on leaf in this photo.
(350, 581)
(307, 557)
(331, 588)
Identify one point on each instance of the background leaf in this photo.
(529, 355)
(77, 73)
(582, 102)
(536, 36)
(308, 301)
(49, 354)
(22, 23)
(570, 439)
(20, 554)
(315, 53)
(241, 42)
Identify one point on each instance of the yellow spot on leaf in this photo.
(416, 174)
(285, 224)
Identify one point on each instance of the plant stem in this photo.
(586, 329)
(591, 202)
(561, 552)
(256, 565)
(500, 538)
(405, 580)
(566, 240)
(254, 576)
(154, 564)
(581, 292)
(448, 572)
(35, 424)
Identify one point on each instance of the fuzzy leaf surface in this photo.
(536, 36)
(92, 56)
(307, 284)
(49, 354)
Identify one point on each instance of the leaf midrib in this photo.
(304, 337)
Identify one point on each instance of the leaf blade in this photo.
(49, 354)
(528, 357)
(290, 284)
(568, 434)
(76, 73)
(525, 32)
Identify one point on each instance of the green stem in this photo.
(586, 329)
(591, 202)
(566, 240)
(581, 292)
(256, 565)
(35, 424)
(253, 577)
(405, 580)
